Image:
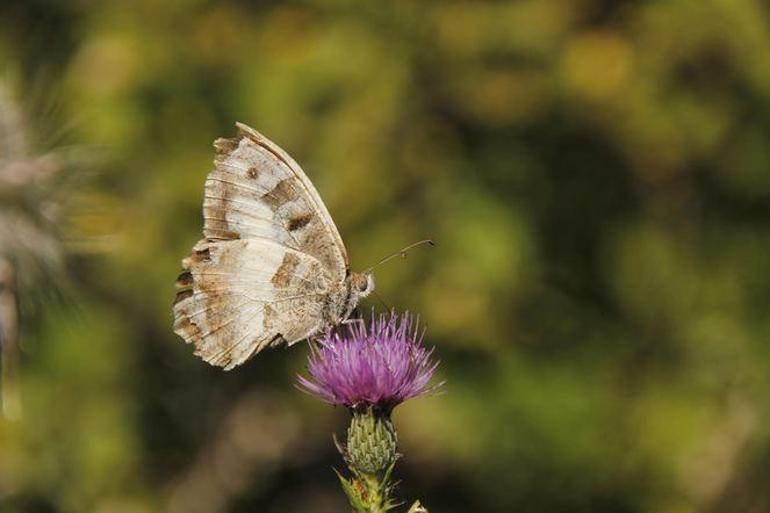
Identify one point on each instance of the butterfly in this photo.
(271, 268)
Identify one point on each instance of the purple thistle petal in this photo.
(380, 364)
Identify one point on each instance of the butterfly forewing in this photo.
(257, 190)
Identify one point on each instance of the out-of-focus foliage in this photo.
(596, 175)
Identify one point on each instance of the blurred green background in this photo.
(596, 175)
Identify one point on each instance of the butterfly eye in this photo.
(363, 285)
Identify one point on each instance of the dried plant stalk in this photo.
(9, 323)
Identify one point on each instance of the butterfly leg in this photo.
(353, 321)
(346, 326)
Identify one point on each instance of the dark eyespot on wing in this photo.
(299, 221)
(184, 280)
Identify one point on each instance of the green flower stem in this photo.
(370, 453)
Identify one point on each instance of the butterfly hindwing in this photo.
(237, 297)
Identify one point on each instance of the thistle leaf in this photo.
(356, 501)
(417, 508)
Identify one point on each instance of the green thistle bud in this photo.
(371, 446)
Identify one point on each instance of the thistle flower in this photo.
(379, 365)
(371, 368)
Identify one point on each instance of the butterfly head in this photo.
(362, 284)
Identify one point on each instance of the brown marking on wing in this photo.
(268, 316)
(184, 284)
(186, 328)
(216, 213)
(299, 221)
(219, 228)
(184, 280)
(253, 172)
(282, 193)
(182, 295)
(202, 255)
(282, 277)
(225, 146)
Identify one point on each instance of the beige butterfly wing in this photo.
(272, 259)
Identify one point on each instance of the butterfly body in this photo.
(271, 267)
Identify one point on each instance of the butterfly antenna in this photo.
(402, 253)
